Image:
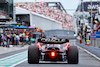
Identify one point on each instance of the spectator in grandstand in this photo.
(47, 11)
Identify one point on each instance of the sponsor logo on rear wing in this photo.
(50, 40)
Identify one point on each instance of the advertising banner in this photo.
(87, 7)
(93, 36)
(98, 34)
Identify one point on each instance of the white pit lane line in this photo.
(11, 58)
(89, 53)
(18, 63)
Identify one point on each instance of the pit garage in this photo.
(22, 16)
(23, 19)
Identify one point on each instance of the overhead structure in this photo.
(57, 5)
(86, 7)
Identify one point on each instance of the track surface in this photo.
(85, 60)
(19, 59)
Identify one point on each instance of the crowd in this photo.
(49, 11)
(16, 38)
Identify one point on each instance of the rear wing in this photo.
(53, 41)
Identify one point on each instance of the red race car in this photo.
(52, 50)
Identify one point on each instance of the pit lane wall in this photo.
(66, 34)
(95, 40)
(43, 22)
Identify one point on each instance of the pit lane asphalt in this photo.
(85, 60)
(11, 53)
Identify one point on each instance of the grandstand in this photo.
(3, 14)
(55, 12)
(6, 10)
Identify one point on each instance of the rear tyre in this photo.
(73, 55)
(33, 54)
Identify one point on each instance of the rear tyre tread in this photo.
(73, 57)
(33, 54)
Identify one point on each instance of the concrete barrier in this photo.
(66, 34)
(43, 22)
(94, 43)
(97, 43)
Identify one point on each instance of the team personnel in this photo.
(22, 40)
(17, 39)
(96, 27)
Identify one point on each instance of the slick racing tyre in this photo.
(73, 55)
(33, 54)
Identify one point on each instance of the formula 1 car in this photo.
(52, 50)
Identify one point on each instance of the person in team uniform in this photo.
(22, 40)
